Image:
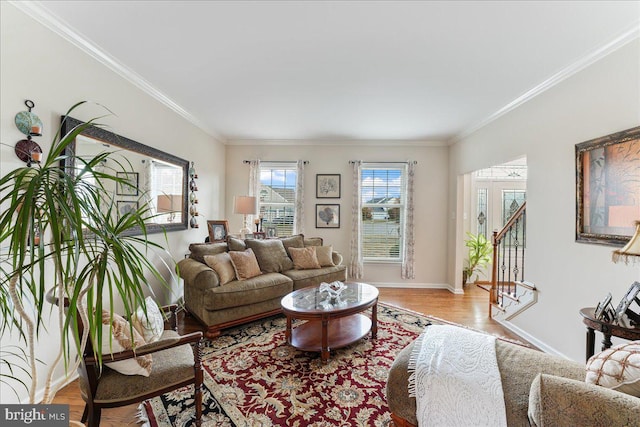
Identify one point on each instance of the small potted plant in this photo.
(480, 250)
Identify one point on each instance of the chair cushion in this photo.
(150, 324)
(245, 264)
(617, 368)
(170, 367)
(116, 337)
(304, 258)
(222, 265)
(271, 255)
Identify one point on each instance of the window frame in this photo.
(286, 206)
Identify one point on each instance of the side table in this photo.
(607, 329)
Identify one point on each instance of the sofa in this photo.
(539, 390)
(220, 304)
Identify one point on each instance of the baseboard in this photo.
(418, 286)
(533, 340)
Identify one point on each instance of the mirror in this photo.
(156, 177)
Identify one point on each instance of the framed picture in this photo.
(218, 230)
(327, 216)
(607, 179)
(623, 306)
(125, 207)
(328, 186)
(601, 311)
(129, 185)
(259, 236)
(270, 232)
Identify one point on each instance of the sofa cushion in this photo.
(235, 244)
(296, 241)
(117, 337)
(245, 264)
(304, 258)
(271, 255)
(244, 292)
(324, 255)
(313, 241)
(199, 250)
(222, 265)
(304, 278)
(617, 368)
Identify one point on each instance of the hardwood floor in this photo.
(470, 309)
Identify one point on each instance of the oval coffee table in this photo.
(330, 325)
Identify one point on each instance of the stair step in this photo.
(508, 295)
(497, 307)
(529, 285)
(484, 286)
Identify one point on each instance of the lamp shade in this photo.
(246, 205)
(631, 251)
(169, 203)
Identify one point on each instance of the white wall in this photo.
(36, 64)
(602, 99)
(430, 198)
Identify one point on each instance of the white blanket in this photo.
(455, 379)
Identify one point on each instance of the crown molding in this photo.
(625, 37)
(37, 11)
(332, 142)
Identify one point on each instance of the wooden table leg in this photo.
(374, 321)
(324, 354)
(287, 333)
(591, 342)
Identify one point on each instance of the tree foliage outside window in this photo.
(383, 193)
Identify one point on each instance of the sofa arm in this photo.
(337, 258)
(197, 274)
(557, 401)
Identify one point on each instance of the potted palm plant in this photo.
(61, 237)
(479, 256)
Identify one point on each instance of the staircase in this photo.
(509, 293)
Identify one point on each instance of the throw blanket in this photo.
(455, 378)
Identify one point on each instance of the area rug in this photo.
(254, 378)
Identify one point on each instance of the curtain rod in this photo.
(246, 162)
(415, 162)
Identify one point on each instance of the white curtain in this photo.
(356, 266)
(298, 226)
(409, 242)
(254, 186)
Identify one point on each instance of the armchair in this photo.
(176, 363)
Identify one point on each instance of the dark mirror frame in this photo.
(68, 123)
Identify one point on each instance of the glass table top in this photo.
(311, 299)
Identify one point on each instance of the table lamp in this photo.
(630, 253)
(245, 205)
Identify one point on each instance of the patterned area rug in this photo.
(253, 378)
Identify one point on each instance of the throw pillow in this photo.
(304, 258)
(617, 368)
(292, 242)
(151, 325)
(235, 244)
(271, 255)
(116, 337)
(222, 265)
(245, 264)
(325, 255)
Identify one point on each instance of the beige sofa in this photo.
(240, 301)
(539, 390)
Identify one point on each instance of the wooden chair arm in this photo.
(193, 337)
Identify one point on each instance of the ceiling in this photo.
(344, 70)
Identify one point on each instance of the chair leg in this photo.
(85, 413)
(94, 416)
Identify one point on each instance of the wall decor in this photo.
(126, 206)
(29, 124)
(193, 199)
(328, 186)
(327, 216)
(608, 188)
(218, 230)
(129, 186)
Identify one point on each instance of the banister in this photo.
(516, 216)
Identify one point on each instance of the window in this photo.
(383, 193)
(278, 195)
